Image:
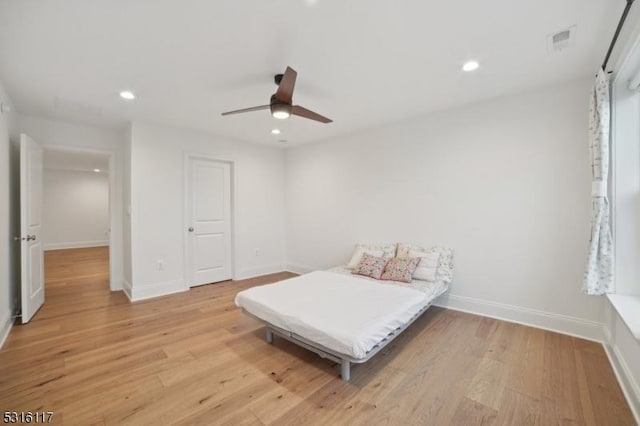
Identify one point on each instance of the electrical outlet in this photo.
(257, 252)
(160, 265)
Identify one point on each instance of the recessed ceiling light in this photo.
(470, 66)
(96, 170)
(128, 95)
(275, 132)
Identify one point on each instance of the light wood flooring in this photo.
(92, 357)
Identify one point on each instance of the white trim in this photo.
(187, 156)
(629, 386)
(564, 324)
(75, 170)
(7, 324)
(76, 244)
(299, 269)
(148, 291)
(624, 137)
(127, 289)
(634, 83)
(259, 271)
(627, 307)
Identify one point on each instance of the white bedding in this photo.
(432, 289)
(344, 313)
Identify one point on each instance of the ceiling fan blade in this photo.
(285, 88)
(303, 112)
(239, 111)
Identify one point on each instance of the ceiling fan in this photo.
(281, 102)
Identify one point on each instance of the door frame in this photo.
(115, 253)
(188, 156)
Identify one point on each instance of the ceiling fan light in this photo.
(280, 111)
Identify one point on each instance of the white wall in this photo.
(53, 133)
(157, 204)
(9, 274)
(76, 209)
(505, 183)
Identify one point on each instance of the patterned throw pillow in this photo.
(371, 266)
(388, 250)
(359, 251)
(444, 271)
(400, 269)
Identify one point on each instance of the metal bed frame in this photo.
(345, 361)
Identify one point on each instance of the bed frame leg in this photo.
(345, 370)
(269, 335)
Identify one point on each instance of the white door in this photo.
(32, 287)
(208, 221)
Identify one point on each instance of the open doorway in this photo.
(76, 226)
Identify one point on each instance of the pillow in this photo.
(405, 248)
(400, 269)
(428, 265)
(444, 271)
(388, 250)
(357, 255)
(445, 264)
(371, 266)
(379, 250)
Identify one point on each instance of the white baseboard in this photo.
(297, 268)
(126, 287)
(577, 327)
(148, 291)
(75, 244)
(630, 387)
(247, 273)
(5, 328)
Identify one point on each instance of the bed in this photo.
(340, 316)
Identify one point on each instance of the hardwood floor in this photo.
(92, 357)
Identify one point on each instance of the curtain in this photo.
(598, 278)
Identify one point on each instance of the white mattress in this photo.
(347, 314)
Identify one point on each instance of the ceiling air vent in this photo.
(557, 42)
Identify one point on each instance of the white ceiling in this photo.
(362, 63)
(78, 161)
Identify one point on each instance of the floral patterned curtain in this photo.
(598, 278)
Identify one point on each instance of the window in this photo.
(625, 194)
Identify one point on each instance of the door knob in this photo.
(31, 237)
(191, 229)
